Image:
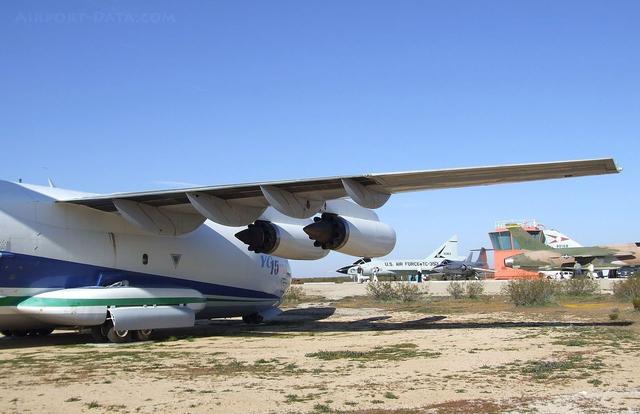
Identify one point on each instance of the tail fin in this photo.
(556, 239)
(525, 240)
(469, 258)
(482, 258)
(448, 249)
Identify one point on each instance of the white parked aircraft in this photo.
(124, 264)
(366, 268)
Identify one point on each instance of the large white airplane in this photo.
(364, 269)
(125, 264)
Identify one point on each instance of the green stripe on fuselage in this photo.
(57, 302)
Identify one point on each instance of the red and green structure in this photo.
(505, 246)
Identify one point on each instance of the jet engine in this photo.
(288, 241)
(352, 236)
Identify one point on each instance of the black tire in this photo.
(6, 332)
(99, 334)
(19, 332)
(142, 335)
(118, 337)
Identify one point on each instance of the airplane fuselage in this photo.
(395, 267)
(49, 246)
(604, 257)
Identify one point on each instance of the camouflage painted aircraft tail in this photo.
(482, 258)
(448, 249)
(525, 240)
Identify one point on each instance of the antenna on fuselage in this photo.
(51, 184)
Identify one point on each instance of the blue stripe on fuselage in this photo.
(25, 271)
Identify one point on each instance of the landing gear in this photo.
(254, 318)
(142, 335)
(107, 333)
(119, 336)
(112, 334)
(99, 334)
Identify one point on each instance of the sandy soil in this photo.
(322, 357)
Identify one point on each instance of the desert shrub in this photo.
(407, 292)
(530, 292)
(380, 291)
(295, 293)
(388, 291)
(615, 314)
(579, 286)
(474, 289)
(383, 291)
(456, 289)
(628, 289)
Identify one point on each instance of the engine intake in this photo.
(278, 239)
(352, 236)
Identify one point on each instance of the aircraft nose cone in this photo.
(252, 236)
(508, 262)
(320, 231)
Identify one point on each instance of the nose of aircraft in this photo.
(344, 270)
(508, 262)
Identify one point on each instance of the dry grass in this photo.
(329, 366)
(398, 352)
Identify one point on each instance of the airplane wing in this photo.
(483, 270)
(600, 253)
(241, 204)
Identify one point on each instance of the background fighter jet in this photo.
(365, 268)
(539, 256)
(467, 268)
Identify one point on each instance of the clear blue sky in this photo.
(108, 96)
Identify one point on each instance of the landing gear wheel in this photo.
(142, 335)
(99, 334)
(20, 332)
(254, 318)
(6, 333)
(117, 336)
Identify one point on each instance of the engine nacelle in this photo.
(288, 241)
(352, 236)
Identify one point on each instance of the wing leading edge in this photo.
(242, 203)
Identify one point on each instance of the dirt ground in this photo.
(352, 355)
